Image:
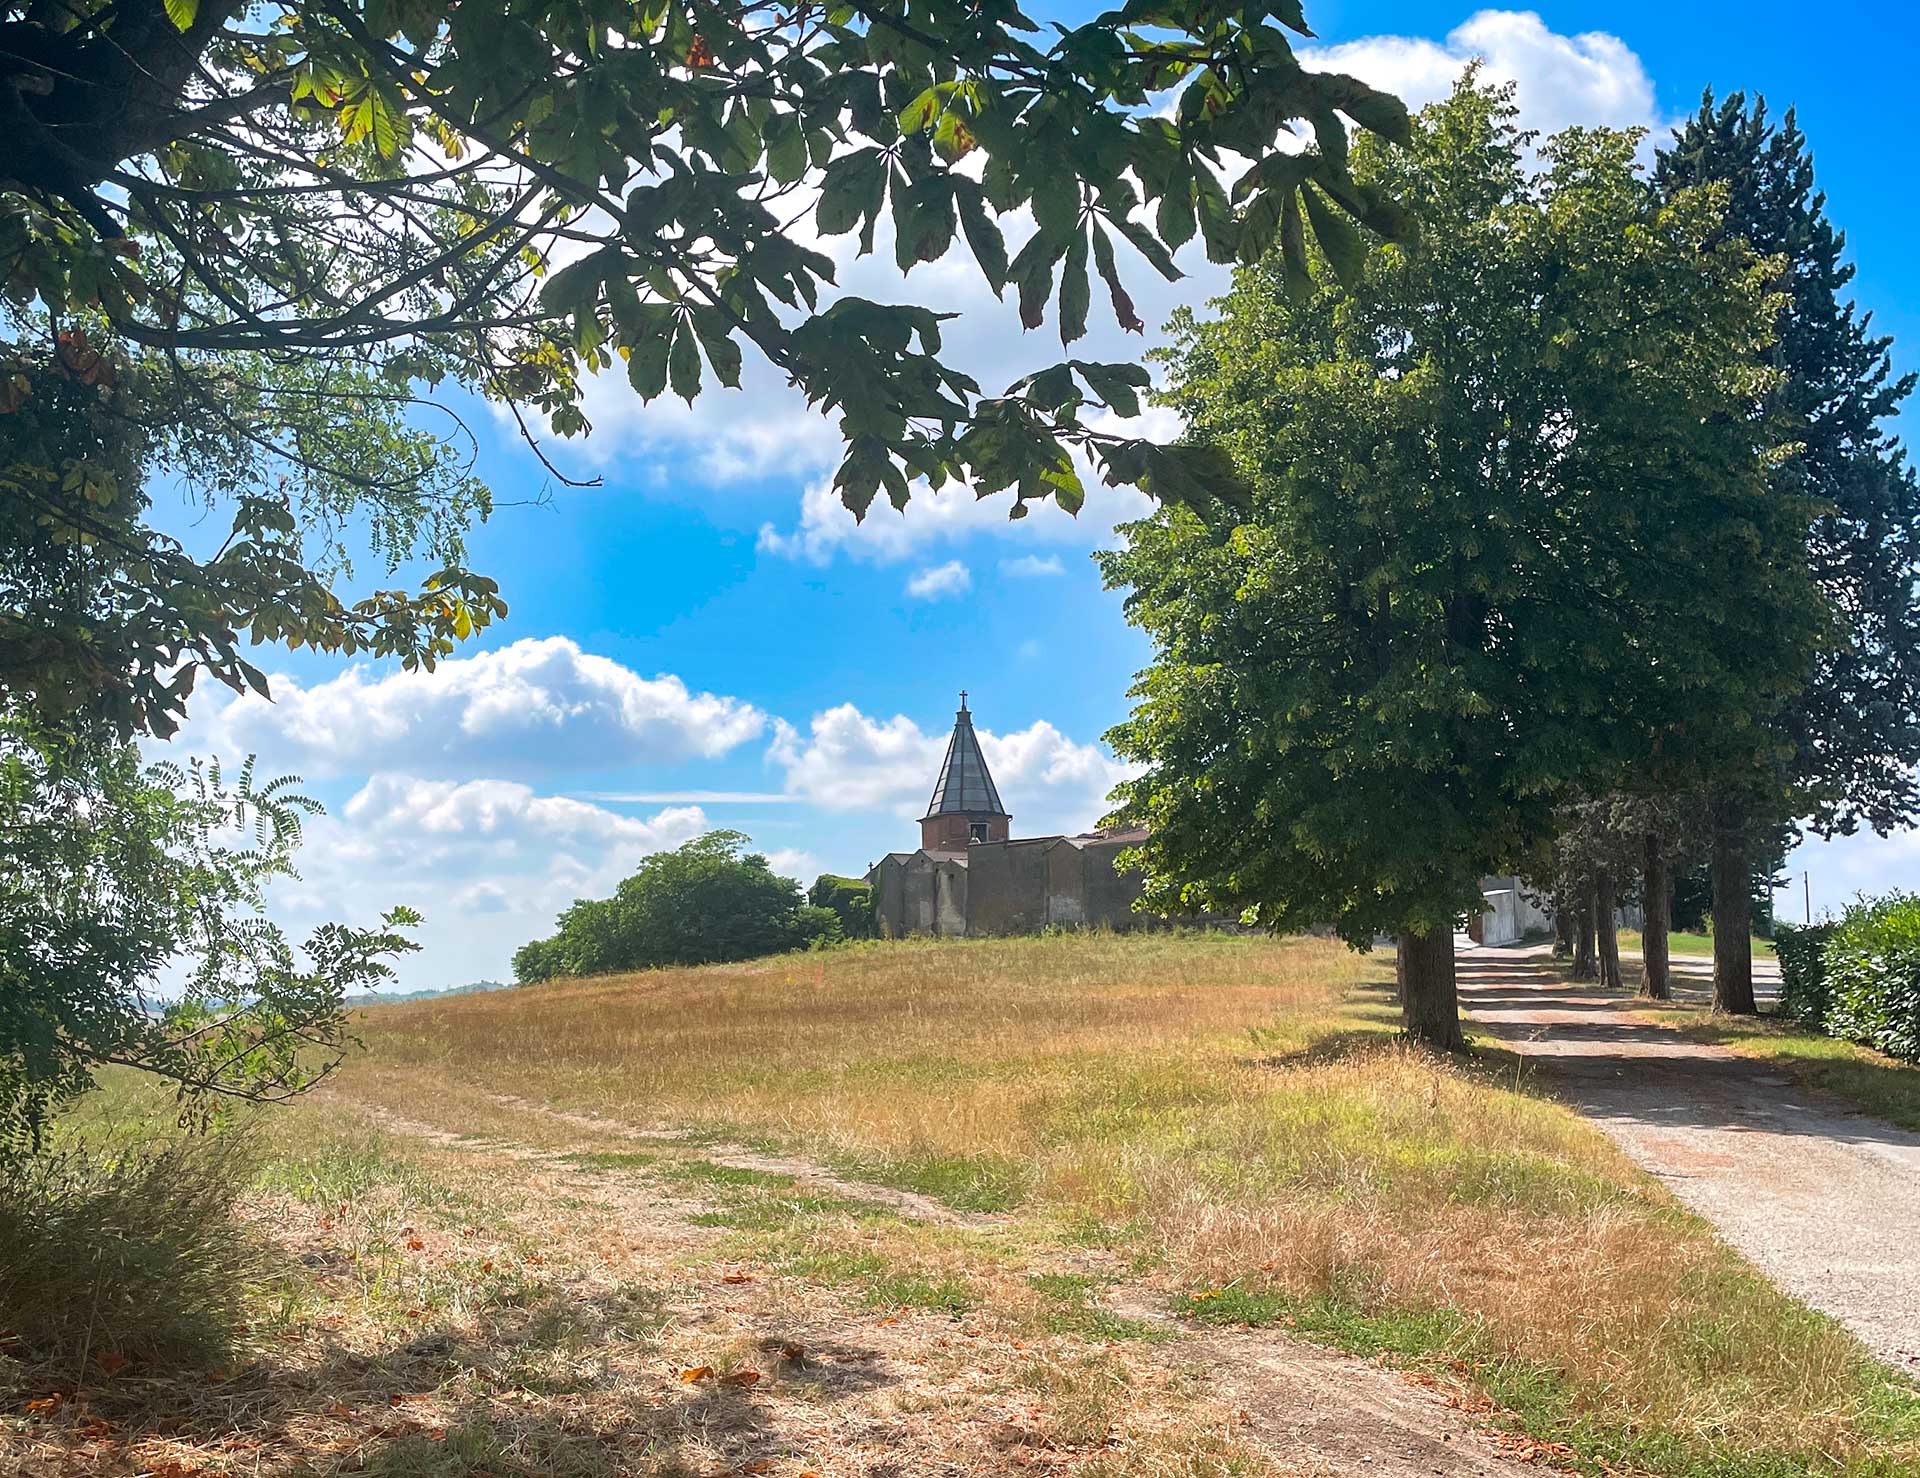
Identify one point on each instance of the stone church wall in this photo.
(1018, 887)
(1007, 887)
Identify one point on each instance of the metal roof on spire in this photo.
(964, 784)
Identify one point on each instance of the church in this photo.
(972, 876)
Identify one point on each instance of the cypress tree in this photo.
(1851, 738)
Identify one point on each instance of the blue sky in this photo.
(705, 640)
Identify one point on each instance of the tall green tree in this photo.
(132, 930)
(132, 934)
(309, 224)
(1503, 492)
(1854, 726)
(706, 901)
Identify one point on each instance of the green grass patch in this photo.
(1069, 1306)
(881, 1283)
(964, 1182)
(943, 1295)
(1694, 944)
(1538, 1400)
(707, 1173)
(612, 1159)
(349, 1168)
(773, 1213)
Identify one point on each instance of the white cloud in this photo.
(537, 706)
(490, 863)
(765, 428)
(1591, 78)
(691, 797)
(848, 761)
(794, 862)
(1032, 566)
(938, 582)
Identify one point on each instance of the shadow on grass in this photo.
(1624, 1055)
(1340, 1046)
(1858, 1075)
(572, 1385)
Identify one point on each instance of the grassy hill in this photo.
(980, 1205)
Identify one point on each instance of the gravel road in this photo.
(1825, 1200)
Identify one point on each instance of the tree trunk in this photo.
(1732, 912)
(1583, 952)
(1562, 928)
(1430, 1005)
(1656, 888)
(1607, 925)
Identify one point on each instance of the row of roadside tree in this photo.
(1576, 543)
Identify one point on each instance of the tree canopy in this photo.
(1855, 722)
(1511, 535)
(707, 901)
(132, 933)
(308, 234)
(512, 197)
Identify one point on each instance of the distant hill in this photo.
(382, 998)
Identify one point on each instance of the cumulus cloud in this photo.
(490, 863)
(938, 582)
(1591, 78)
(849, 761)
(794, 862)
(1032, 566)
(537, 706)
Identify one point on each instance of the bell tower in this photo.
(965, 807)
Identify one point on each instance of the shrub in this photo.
(538, 960)
(1872, 967)
(850, 898)
(133, 1254)
(1803, 971)
(816, 928)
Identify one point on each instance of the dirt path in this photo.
(1825, 1200)
(1323, 1413)
(1316, 1412)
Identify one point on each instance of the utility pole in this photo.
(1806, 893)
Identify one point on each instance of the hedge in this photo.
(1803, 971)
(1871, 965)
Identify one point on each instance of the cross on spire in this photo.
(963, 700)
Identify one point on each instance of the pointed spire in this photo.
(964, 785)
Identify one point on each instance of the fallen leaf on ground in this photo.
(414, 1244)
(740, 1378)
(758, 1465)
(111, 1362)
(696, 1372)
(336, 1408)
(736, 1277)
(42, 1404)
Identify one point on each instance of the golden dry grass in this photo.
(1240, 1108)
(974, 1163)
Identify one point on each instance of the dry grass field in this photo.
(974, 1206)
